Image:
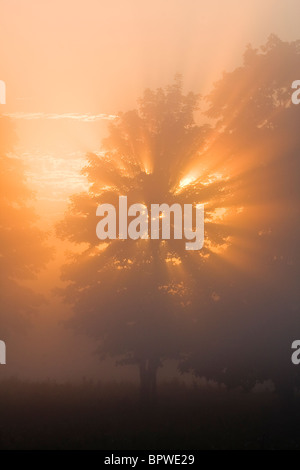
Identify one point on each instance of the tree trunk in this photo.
(148, 373)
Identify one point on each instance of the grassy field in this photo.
(109, 416)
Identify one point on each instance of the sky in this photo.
(71, 67)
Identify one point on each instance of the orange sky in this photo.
(78, 63)
(94, 58)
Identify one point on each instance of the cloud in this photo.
(55, 116)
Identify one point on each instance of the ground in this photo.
(108, 416)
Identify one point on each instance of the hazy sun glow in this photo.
(61, 118)
(186, 181)
(73, 70)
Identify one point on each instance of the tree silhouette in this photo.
(230, 311)
(23, 251)
(250, 329)
(136, 297)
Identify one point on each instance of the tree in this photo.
(136, 297)
(254, 315)
(230, 311)
(23, 251)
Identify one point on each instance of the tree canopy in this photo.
(23, 251)
(229, 311)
